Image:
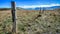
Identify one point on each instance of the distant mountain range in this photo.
(42, 8)
(37, 8)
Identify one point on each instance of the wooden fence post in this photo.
(13, 11)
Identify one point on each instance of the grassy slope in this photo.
(48, 22)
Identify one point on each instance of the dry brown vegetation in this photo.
(48, 22)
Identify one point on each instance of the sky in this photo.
(29, 3)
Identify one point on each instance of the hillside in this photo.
(31, 22)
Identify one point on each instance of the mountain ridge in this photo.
(43, 8)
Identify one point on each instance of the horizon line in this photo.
(34, 6)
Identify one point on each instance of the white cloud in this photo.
(33, 6)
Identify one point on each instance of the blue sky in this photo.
(30, 3)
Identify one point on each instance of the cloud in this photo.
(34, 6)
(50, 5)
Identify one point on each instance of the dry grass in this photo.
(48, 22)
